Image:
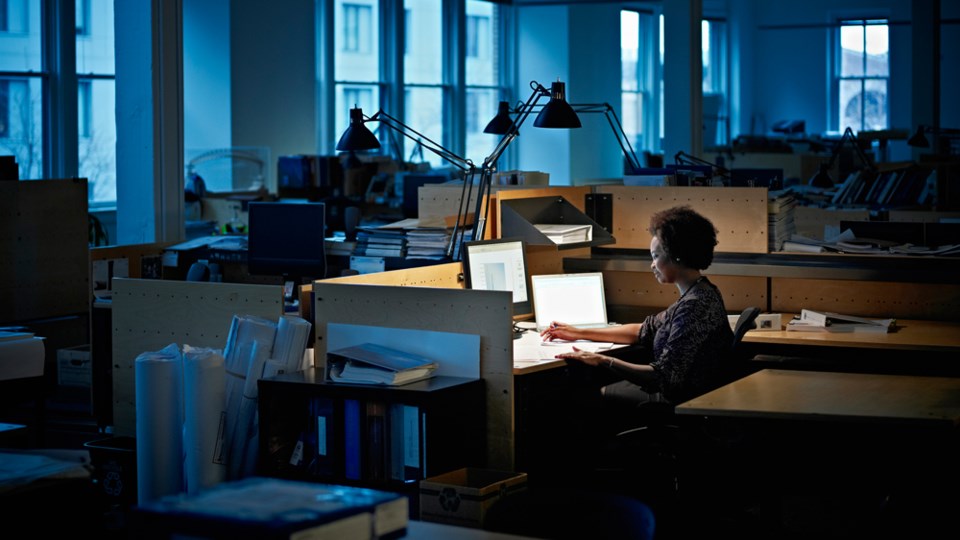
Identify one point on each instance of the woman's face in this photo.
(663, 268)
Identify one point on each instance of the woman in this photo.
(687, 343)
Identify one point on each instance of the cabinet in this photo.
(374, 436)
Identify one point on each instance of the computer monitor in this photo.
(499, 265)
(286, 239)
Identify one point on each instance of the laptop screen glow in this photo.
(575, 299)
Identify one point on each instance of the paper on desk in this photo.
(582, 344)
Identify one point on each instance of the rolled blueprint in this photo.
(204, 404)
(159, 423)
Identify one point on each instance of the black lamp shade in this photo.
(501, 123)
(822, 178)
(357, 136)
(919, 139)
(557, 113)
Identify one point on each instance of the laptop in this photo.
(575, 299)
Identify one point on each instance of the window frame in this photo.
(837, 79)
(391, 82)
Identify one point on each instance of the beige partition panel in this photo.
(739, 213)
(488, 313)
(149, 314)
(641, 289)
(44, 249)
(445, 275)
(880, 299)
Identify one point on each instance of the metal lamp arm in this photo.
(464, 164)
(490, 162)
(848, 135)
(611, 115)
(682, 157)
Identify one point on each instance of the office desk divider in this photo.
(407, 311)
(149, 314)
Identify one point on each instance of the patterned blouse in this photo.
(690, 341)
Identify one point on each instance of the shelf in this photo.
(518, 217)
(893, 268)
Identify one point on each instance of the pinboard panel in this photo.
(44, 271)
(149, 314)
(487, 313)
(878, 299)
(738, 213)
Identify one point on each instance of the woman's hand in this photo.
(587, 357)
(558, 330)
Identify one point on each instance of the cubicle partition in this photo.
(149, 314)
(484, 313)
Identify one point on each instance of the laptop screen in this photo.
(575, 299)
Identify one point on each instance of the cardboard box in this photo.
(75, 366)
(462, 497)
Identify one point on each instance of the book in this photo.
(837, 322)
(272, 508)
(566, 234)
(370, 363)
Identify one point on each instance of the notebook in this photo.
(575, 299)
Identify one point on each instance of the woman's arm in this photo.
(624, 334)
(639, 374)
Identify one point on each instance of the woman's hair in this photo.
(686, 237)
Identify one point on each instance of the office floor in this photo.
(723, 489)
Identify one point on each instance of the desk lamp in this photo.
(942, 136)
(358, 137)
(683, 158)
(822, 178)
(557, 113)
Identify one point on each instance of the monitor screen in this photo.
(286, 239)
(499, 265)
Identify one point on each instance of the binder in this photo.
(325, 440)
(352, 439)
(406, 463)
(375, 452)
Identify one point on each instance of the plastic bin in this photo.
(115, 470)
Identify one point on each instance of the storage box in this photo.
(75, 366)
(462, 497)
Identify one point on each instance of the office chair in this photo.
(645, 460)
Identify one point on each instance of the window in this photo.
(420, 86)
(485, 84)
(715, 119)
(638, 73)
(96, 81)
(357, 28)
(356, 68)
(13, 16)
(84, 106)
(22, 87)
(478, 33)
(863, 74)
(83, 17)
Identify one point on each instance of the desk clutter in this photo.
(196, 407)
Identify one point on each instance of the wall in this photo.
(274, 74)
(553, 45)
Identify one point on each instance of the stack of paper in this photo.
(370, 363)
(428, 243)
(781, 223)
(566, 234)
(825, 321)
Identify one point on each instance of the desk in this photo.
(909, 335)
(815, 395)
(915, 347)
(859, 455)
